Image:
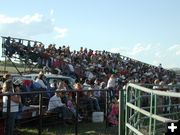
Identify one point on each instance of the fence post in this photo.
(77, 111)
(5, 63)
(7, 131)
(106, 110)
(155, 108)
(121, 113)
(40, 114)
(151, 112)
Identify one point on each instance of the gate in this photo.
(147, 111)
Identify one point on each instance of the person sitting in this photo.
(56, 106)
(39, 80)
(71, 106)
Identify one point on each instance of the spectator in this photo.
(62, 85)
(156, 84)
(56, 106)
(1, 98)
(114, 112)
(15, 100)
(111, 85)
(39, 80)
(71, 106)
(6, 77)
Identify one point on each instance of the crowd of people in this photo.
(92, 69)
(88, 64)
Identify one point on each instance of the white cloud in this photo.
(29, 26)
(175, 49)
(155, 62)
(27, 19)
(178, 52)
(51, 12)
(152, 54)
(52, 20)
(30, 19)
(118, 50)
(139, 48)
(61, 32)
(6, 20)
(176, 46)
(136, 50)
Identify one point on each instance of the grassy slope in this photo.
(11, 69)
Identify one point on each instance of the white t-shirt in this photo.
(55, 102)
(111, 83)
(13, 105)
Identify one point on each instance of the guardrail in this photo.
(152, 115)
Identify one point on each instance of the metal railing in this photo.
(40, 114)
(152, 117)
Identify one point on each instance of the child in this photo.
(113, 115)
(72, 108)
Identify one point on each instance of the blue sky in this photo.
(145, 30)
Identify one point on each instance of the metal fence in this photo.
(141, 111)
(148, 110)
(39, 114)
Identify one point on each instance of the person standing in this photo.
(111, 86)
(15, 100)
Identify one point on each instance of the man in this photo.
(111, 85)
(56, 106)
(40, 81)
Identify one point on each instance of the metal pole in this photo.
(127, 110)
(121, 113)
(150, 118)
(139, 105)
(134, 112)
(14, 65)
(40, 114)
(7, 130)
(106, 109)
(119, 126)
(5, 63)
(77, 111)
(155, 107)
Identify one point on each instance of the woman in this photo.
(15, 100)
(114, 112)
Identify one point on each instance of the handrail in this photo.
(159, 118)
(22, 39)
(155, 92)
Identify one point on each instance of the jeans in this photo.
(64, 111)
(94, 103)
(10, 122)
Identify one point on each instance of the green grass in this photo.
(13, 69)
(83, 129)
